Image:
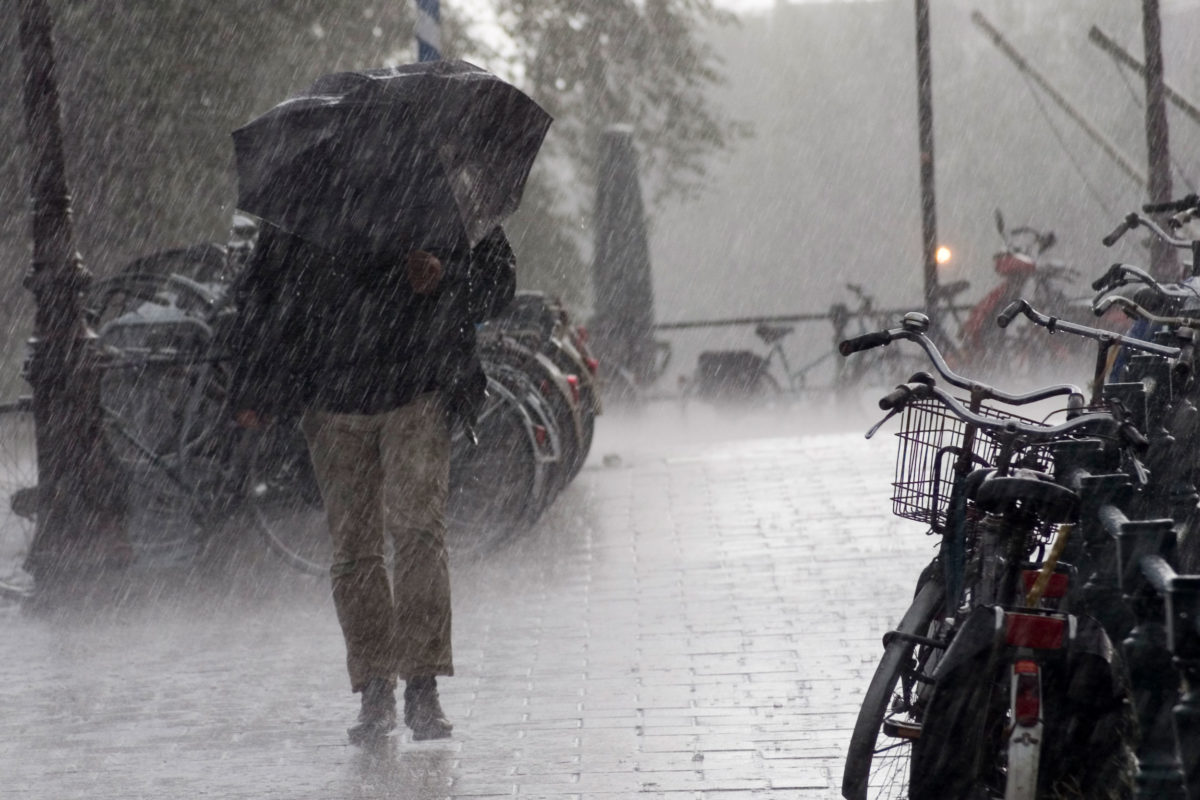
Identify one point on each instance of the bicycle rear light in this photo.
(1037, 631)
(539, 435)
(1027, 694)
(593, 365)
(573, 382)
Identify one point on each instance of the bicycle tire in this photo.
(1086, 742)
(519, 385)
(588, 402)
(503, 470)
(287, 511)
(873, 772)
(551, 382)
(285, 501)
(495, 483)
(568, 359)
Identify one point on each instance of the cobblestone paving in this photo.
(696, 617)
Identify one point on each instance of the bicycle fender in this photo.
(1093, 661)
(979, 633)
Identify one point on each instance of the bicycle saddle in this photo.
(1024, 490)
(771, 334)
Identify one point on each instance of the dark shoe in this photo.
(378, 715)
(422, 711)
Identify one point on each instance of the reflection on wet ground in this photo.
(698, 614)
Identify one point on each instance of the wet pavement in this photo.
(696, 617)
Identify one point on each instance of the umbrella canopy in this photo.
(434, 154)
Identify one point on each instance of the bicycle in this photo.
(191, 469)
(510, 358)
(499, 484)
(543, 325)
(994, 506)
(725, 377)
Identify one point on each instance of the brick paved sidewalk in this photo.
(693, 618)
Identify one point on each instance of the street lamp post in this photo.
(63, 360)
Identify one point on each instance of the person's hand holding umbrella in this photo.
(424, 272)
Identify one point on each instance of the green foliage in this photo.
(594, 63)
(151, 90)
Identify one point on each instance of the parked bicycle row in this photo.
(188, 472)
(1052, 646)
(963, 332)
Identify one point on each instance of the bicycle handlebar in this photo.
(1053, 324)
(1009, 313)
(1183, 204)
(866, 341)
(1133, 309)
(913, 331)
(897, 397)
(1098, 423)
(1134, 220)
(1118, 273)
(1130, 222)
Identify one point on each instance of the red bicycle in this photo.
(1025, 273)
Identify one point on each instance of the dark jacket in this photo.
(346, 334)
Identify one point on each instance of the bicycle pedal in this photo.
(902, 729)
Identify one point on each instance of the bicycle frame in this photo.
(995, 614)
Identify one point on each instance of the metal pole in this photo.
(62, 367)
(429, 30)
(1110, 46)
(1024, 66)
(1163, 263)
(925, 143)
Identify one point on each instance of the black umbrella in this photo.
(434, 154)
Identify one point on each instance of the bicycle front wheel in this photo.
(496, 485)
(877, 760)
(285, 500)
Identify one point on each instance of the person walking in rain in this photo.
(382, 194)
(379, 361)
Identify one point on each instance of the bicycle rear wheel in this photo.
(494, 488)
(497, 485)
(877, 760)
(1085, 745)
(285, 501)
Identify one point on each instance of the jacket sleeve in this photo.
(492, 276)
(265, 341)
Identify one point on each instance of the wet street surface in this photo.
(696, 617)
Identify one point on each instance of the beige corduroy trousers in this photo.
(386, 476)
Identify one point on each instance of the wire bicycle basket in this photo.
(930, 440)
